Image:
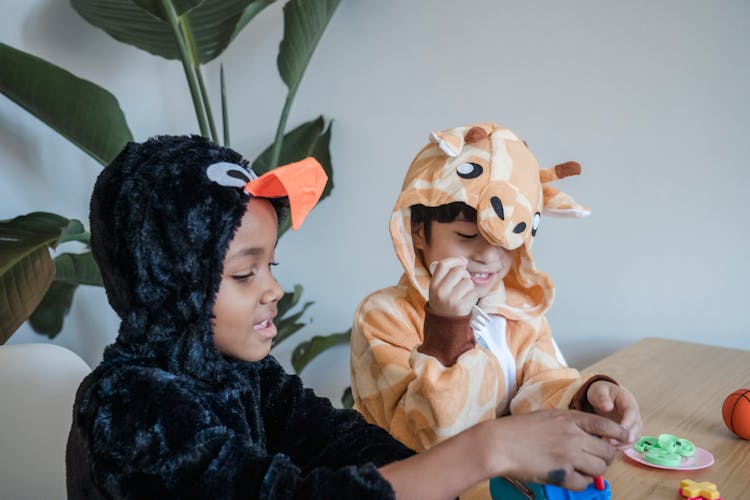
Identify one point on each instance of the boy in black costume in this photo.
(187, 403)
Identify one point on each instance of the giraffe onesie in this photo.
(514, 365)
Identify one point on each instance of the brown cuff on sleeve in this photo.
(580, 401)
(446, 337)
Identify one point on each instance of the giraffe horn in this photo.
(560, 171)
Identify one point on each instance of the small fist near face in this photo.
(452, 291)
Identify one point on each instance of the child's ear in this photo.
(417, 236)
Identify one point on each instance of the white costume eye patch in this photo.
(535, 224)
(469, 170)
(230, 174)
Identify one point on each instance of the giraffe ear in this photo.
(559, 204)
(451, 141)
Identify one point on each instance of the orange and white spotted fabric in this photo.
(411, 394)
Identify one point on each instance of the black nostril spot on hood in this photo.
(520, 227)
(497, 205)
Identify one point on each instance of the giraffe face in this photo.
(505, 218)
(494, 172)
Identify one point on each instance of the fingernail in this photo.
(433, 266)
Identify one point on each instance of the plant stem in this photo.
(279, 140)
(174, 24)
(195, 60)
(224, 112)
(210, 116)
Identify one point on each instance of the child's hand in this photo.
(451, 288)
(561, 447)
(618, 404)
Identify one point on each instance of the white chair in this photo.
(38, 383)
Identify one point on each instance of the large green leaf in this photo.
(71, 270)
(309, 349)
(156, 7)
(289, 325)
(309, 139)
(84, 113)
(27, 233)
(26, 268)
(304, 24)
(48, 317)
(213, 23)
(23, 287)
(312, 138)
(321, 151)
(289, 300)
(75, 232)
(347, 399)
(78, 268)
(250, 12)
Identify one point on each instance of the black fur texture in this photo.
(165, 415)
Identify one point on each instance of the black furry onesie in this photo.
(165, 415)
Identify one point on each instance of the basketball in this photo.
(736, 412)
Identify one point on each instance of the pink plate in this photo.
(700, 460)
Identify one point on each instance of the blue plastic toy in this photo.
(501, 489)
(590, 493)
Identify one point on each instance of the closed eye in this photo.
(467, 236)
(247, 276)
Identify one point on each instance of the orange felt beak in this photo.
(301, 181)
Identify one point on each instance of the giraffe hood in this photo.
(489, 168)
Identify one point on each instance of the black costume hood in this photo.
(159, 233)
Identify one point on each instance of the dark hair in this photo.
(421, 214)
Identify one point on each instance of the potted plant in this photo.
(36, 287)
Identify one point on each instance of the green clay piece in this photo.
(662, 457)
(684, 447)
(666, 450)
(646, 443)
(667, 442)
(674, 444)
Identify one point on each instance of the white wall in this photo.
(651, 97)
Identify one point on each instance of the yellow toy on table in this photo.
(692, 490)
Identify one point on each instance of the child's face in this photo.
(246, 302)
(487, 265)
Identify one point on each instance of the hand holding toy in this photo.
(451, 288)
(618, 404)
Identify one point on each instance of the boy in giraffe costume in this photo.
(462, 337)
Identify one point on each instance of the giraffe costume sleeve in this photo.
(411, 394)
(420, 400)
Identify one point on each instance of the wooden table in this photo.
(680, 388)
